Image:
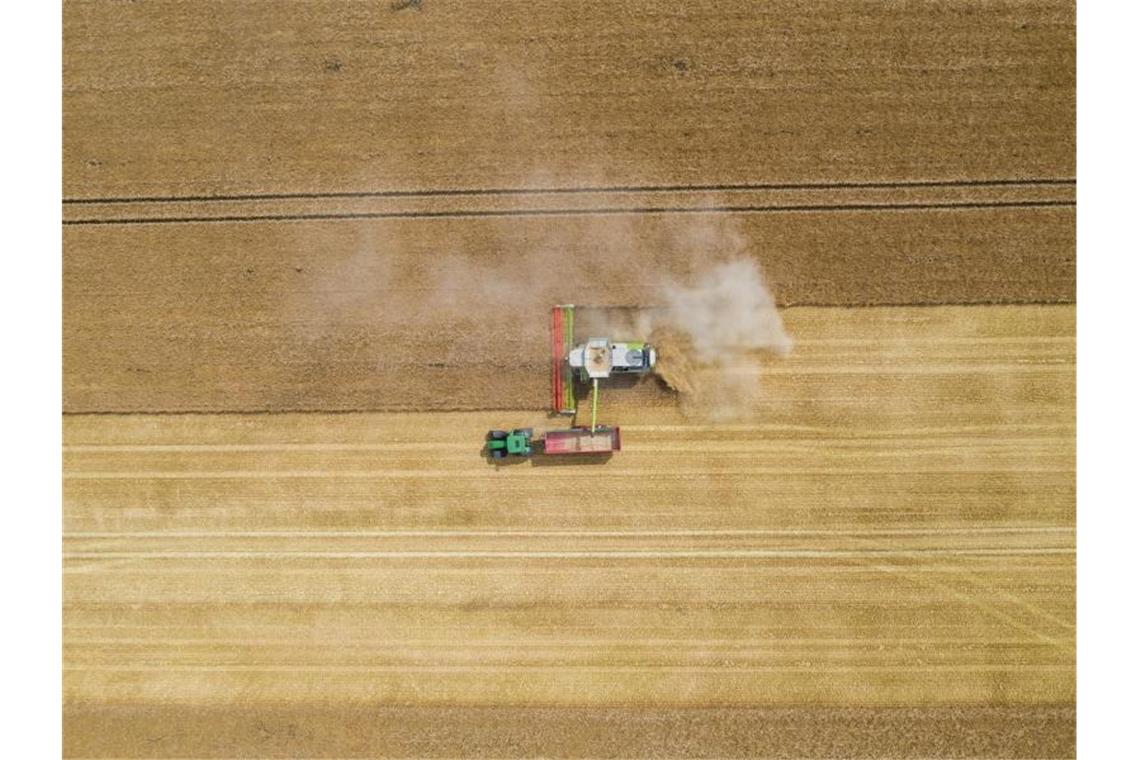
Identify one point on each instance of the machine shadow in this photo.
(539, 459)
(542, 460)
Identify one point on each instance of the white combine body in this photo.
(599, 358)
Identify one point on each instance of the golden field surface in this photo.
(896, 530)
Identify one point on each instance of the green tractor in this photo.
(501, 444)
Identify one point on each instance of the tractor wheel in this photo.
(528, 432)
(497, 435)
(498, 454)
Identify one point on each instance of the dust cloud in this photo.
(713, 334)
(478, 299)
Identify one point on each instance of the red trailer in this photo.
(579, 440)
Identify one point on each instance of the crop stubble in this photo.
(897, 530)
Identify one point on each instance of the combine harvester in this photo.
(594, 360)
(589, 362)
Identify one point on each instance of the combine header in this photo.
(561, 376)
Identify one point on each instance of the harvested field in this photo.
(896, 531)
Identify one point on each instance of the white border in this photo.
(1108, 457)
(31, 52)
(1108, 326)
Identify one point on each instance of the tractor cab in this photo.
(501, 444)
